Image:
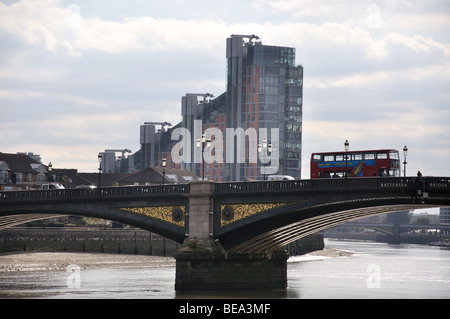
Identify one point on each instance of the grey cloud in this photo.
(379, 87)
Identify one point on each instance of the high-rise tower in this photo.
(264, 90)
(262, 102)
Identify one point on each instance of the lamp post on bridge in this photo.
(99, 169)
(405, 152)
(346, 145)
(164, 164)
(269, 150)
(49, 169)
(201, 143)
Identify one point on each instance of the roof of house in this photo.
(20, 162)
(154, 175)
(106, 179)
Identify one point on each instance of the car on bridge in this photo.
(86, 187)
(280, 178)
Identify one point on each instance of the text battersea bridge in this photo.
(233, 232)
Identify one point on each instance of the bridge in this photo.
(395, 229)
(233, 227)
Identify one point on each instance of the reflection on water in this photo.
(94, 283)
(375, 270)
(245, 294)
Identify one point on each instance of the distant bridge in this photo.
(396, 229)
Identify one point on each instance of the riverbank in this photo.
(42, 261)
(321, 254)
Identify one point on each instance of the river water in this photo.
(372, 270)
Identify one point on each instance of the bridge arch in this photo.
(161, 210)
(269, 234)
(295, 209)
(14, 220)
(138, 220)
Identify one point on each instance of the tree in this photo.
(403, 217)
(422, 221)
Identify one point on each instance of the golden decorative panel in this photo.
(230, 213)
(170, 214)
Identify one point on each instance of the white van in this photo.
(52, 186)
(280, 178)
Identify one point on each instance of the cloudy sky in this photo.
(77, 78)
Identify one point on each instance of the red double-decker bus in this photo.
(358, 163)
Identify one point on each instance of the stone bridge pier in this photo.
(203, 264)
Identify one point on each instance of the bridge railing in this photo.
(437, 182)
(405, 183)
(107, 192)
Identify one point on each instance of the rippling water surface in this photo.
(375, 270)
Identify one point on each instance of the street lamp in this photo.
(50, 168)
(269, 150)
(346, 145)
(262, 146)
(201, 143)
(259, 151)
(405, 152)
(99, 168)
(164, 164)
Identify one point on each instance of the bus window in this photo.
(394, 172)
(317, 158)
(339, 175)
(339, 157)
(329, 158)
(357, 157)
(393, 155)
(369, 156)
(382, 155)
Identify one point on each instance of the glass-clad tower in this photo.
(263, 99)
(264, 90)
